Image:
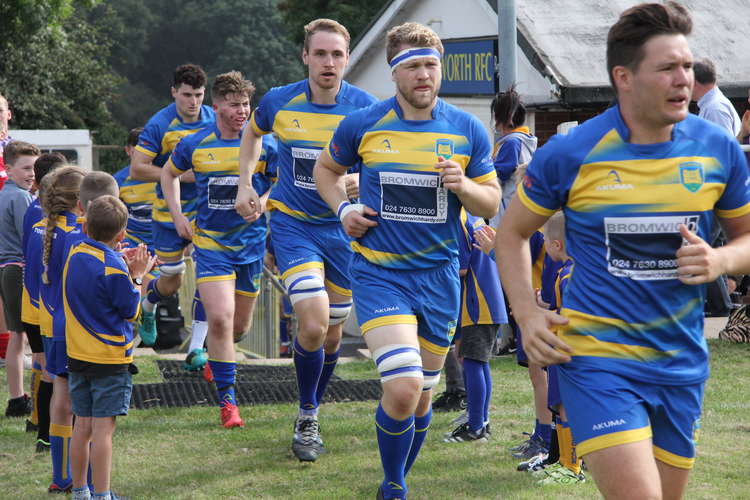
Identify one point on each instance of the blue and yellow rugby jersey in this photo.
(50, 294)
(157, 141)
(543, 269)
(623, 203)
(417, 218)
(215, 161)
(138, 197)
(303, 130)
(32, 263)
(69, 240)
(561, 284)
(100, 303)
(482, 301)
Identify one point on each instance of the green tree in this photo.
(21, 19)
(151, 38)
(354, 14)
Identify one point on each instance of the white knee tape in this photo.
(398, 360)
(431, 379)
(301, 286)
(338, 313)
(172, 268)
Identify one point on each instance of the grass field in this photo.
(184, 454)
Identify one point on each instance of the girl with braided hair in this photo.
(61, 207)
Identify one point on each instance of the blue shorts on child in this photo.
(100, 396)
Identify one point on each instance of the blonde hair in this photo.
(60, 194)
(231, 83)
(97, 184)
(412, 34)
(328, 25)
(554, 228)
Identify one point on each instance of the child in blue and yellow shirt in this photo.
(101, 301)
(567, 469)
(481, 314)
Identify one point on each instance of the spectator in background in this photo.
(514, 147)
(5, 116)
(715, 107)
(712, 103)
(14, 200)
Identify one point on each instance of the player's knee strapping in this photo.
(338, 312)
(301, 286)
(172, 268)
(431, 379)
(398, 360)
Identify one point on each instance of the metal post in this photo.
(506, 37)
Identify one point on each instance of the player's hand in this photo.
(356, 224)
(248, 203)
(541, 345)
(184, 227)
(452, 175)
(697, 262)
(352, 186)
(485, 237)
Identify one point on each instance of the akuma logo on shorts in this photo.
(386, 309)
(608, 424)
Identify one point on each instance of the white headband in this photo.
(413, 53)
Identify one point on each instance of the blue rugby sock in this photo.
(394, 440)
(421, 425)
(537, 429)
(224, 376)
(59, 438)
(309, 366)
(153, 296)
(329, 364)
(488, 391)
(283, 331)
(475, 392)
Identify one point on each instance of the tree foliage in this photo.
(354, 14)
(152, 38)
(57, 76)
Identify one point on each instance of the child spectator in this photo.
(101, 302)
(567, 468)
(41, 382)
(60, 191)
(543, 274)
(481, 314)
(15, 198)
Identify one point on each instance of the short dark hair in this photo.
(705, 71)
(638, 25)
(231, 83)
(192, 74)
(106, 216)
(47, 163)
(508, 109)
(15, 149)
(97, 184)
(133, 136)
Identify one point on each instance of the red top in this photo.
(3, 173)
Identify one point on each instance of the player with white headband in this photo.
(422, 159)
